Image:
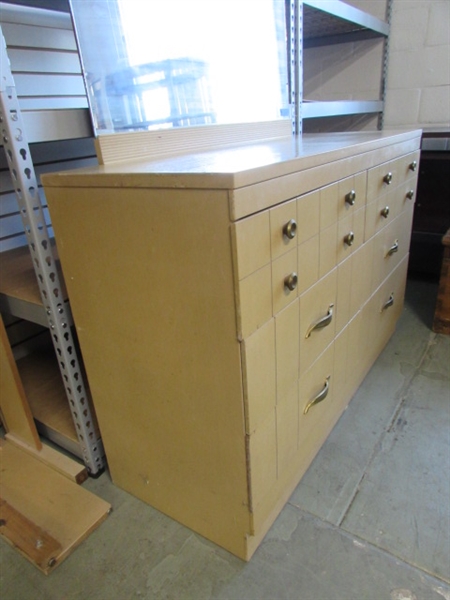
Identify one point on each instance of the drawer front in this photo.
(385, 307)
(316, 400)
(391, 245)
(317, 319)
(390, 174)
(259, 376)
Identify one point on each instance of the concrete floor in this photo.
(370, 519)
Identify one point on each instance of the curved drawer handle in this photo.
(389, 303)
(320, 396)
(290, 282)
(393, 249)
(321, 323)
(350, 197)
(290, 229)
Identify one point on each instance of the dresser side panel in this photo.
(149, 275)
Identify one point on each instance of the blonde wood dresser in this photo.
(228, 305)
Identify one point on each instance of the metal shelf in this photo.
(311, 109)
(19, 290)
(335, 22)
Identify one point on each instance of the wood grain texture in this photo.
(199, 382)
(13, 402)
(46, 515)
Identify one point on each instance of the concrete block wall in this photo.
(418, 81)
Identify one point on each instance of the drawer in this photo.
(351, 194)
(362, 284)
(284, 280)
(379, 213)
(287, 330)
(262, 460)
(385, 307)
(317, 319)
(259, 375)
(350, 234)
(283, 228)
(251, 242)
(391, 245)
(315, 394)
(308, 212)
(254, 301)
(391, 173)
(308, 262)
(408, 166)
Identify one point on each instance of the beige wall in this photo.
(418, 82)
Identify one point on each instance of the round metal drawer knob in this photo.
(350, 197)
(290, 229)
(291, 281)
(387, 178)
(385, 212)
(413, 165)
(410, 194)
(349, 238)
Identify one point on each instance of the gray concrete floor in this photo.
(370, 519)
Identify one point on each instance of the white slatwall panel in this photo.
(47, 72)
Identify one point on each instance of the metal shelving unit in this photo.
(335, 22)
(32, 289)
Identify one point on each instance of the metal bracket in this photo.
(58, 314)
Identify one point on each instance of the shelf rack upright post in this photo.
(57, 311)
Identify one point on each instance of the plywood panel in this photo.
(13, 405)
(59, 517)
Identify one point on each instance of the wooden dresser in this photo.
(228, 305)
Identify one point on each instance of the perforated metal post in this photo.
(385, 65)
(295, 20)
(59, 317)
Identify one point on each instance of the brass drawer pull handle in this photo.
(413, 165)
(320, 396)
(290, 229)
(384, 212)
(349, 238)
(290, 282)
(389, 303)
(393, 249)
(321, 323)
(388, 178)
(410, 194)
(351, 197)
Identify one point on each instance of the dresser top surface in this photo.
(232, 167)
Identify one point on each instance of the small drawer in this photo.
(308, 263)
(317, 319)
(308, 213)
(379, 213)
(284, 280)
(352, 194)
(283, 228)
(329, 202)
(391, 245)
(251, 240)
(350, 234)
(381, 179)
(408, 166)
(254, 301)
